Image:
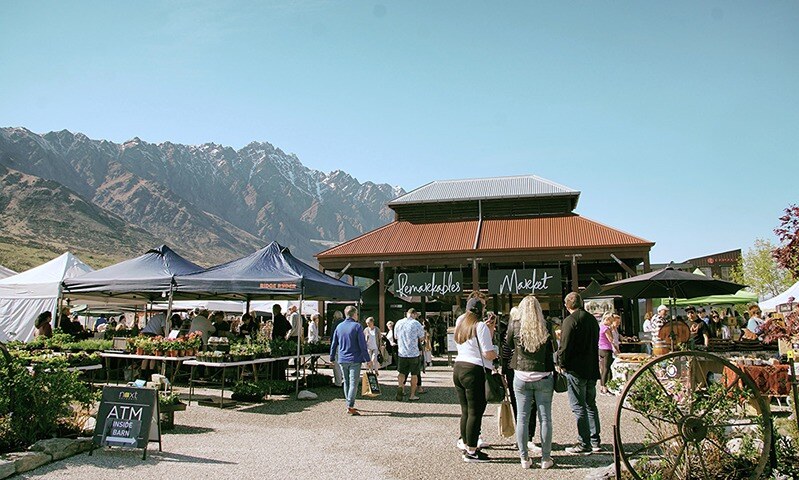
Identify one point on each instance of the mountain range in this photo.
(107, 201)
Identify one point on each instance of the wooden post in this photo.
(647, 269)
(381, 299)
(475, 273)
(575, 274)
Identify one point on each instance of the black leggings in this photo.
(470, 380)
(605, 361)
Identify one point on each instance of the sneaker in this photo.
(476, 457)
(461, 446)
(548, 463)
(413, 399)
(533, 448)
(596, 449)
(579, 450)
(399, 395)
(481, 443)
(353, 411)
(527, 463)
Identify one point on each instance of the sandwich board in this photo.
(128, 417)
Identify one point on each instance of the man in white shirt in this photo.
(296, 324)
(200, 323)
(652, 325)
(407, 333)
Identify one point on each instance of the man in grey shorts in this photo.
(408, 332)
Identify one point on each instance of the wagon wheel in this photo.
(692, 415)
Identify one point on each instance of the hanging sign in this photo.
(543, 281)
(127, 417)
(429, 284)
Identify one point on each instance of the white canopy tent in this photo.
(6, 272)
(27, 294)
(771, 303)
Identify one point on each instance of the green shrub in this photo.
(35, 401)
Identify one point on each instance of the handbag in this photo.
(506, 422)
(369, 385)
(560, 382)
(495, 391)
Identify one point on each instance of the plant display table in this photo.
(129, 357)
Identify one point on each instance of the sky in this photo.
(678, 121)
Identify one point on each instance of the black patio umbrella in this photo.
(670, 283)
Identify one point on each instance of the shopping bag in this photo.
(505, 420)
(369, 385)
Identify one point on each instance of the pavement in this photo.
(316, 439)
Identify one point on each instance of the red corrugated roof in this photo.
(540, 233)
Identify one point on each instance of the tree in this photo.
(759, 270)
(787, 255)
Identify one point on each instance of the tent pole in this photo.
(299, 343)
(169, 305)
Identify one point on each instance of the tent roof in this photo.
(741, 297)
(6, 272)
(54, 271)
(270, 273)
(141, 277)
(771, 304)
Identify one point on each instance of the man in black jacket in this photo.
(578, 358)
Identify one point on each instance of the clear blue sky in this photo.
(679, 121)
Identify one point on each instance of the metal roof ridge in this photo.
(370, 232)
(644, 240)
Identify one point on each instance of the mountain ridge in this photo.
(217, 202)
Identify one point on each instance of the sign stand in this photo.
(128, 417)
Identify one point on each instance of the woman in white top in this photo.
(313, 329)
(469, 373)
(372, 335)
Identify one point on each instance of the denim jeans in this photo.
(352, 375)
(582, 397)
(528, 394)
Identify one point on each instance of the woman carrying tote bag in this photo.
(475, 354)
(533, 380)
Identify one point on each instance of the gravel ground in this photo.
(285, 438)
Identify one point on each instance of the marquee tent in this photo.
(146, 278)
(271, 273)
(27, 294)
(268, 274)
(771, 303)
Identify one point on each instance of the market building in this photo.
(505, 236)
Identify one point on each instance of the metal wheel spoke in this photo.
(647, 447)
(721, 397)
(724, 450)
(725, 425)
(676, 462)
(701, 459)
(696, 363)
(649, 415)
(665, 392)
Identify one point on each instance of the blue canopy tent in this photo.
(268, 274)
(147, 278)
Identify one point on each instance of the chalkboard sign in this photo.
(541, 281)
(428, 284)
(369, 385)
(128, 417)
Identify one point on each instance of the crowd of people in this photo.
(710, 324)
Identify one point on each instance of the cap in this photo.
(690, 310)
(662, 307)
(474, 305)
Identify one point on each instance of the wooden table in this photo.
(129, 356)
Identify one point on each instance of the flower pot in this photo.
(172, 353)
(139, 351)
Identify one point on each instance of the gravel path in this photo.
(286, 438)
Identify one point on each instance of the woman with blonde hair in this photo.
(533, 363)
(475, 355)
(607, 348)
